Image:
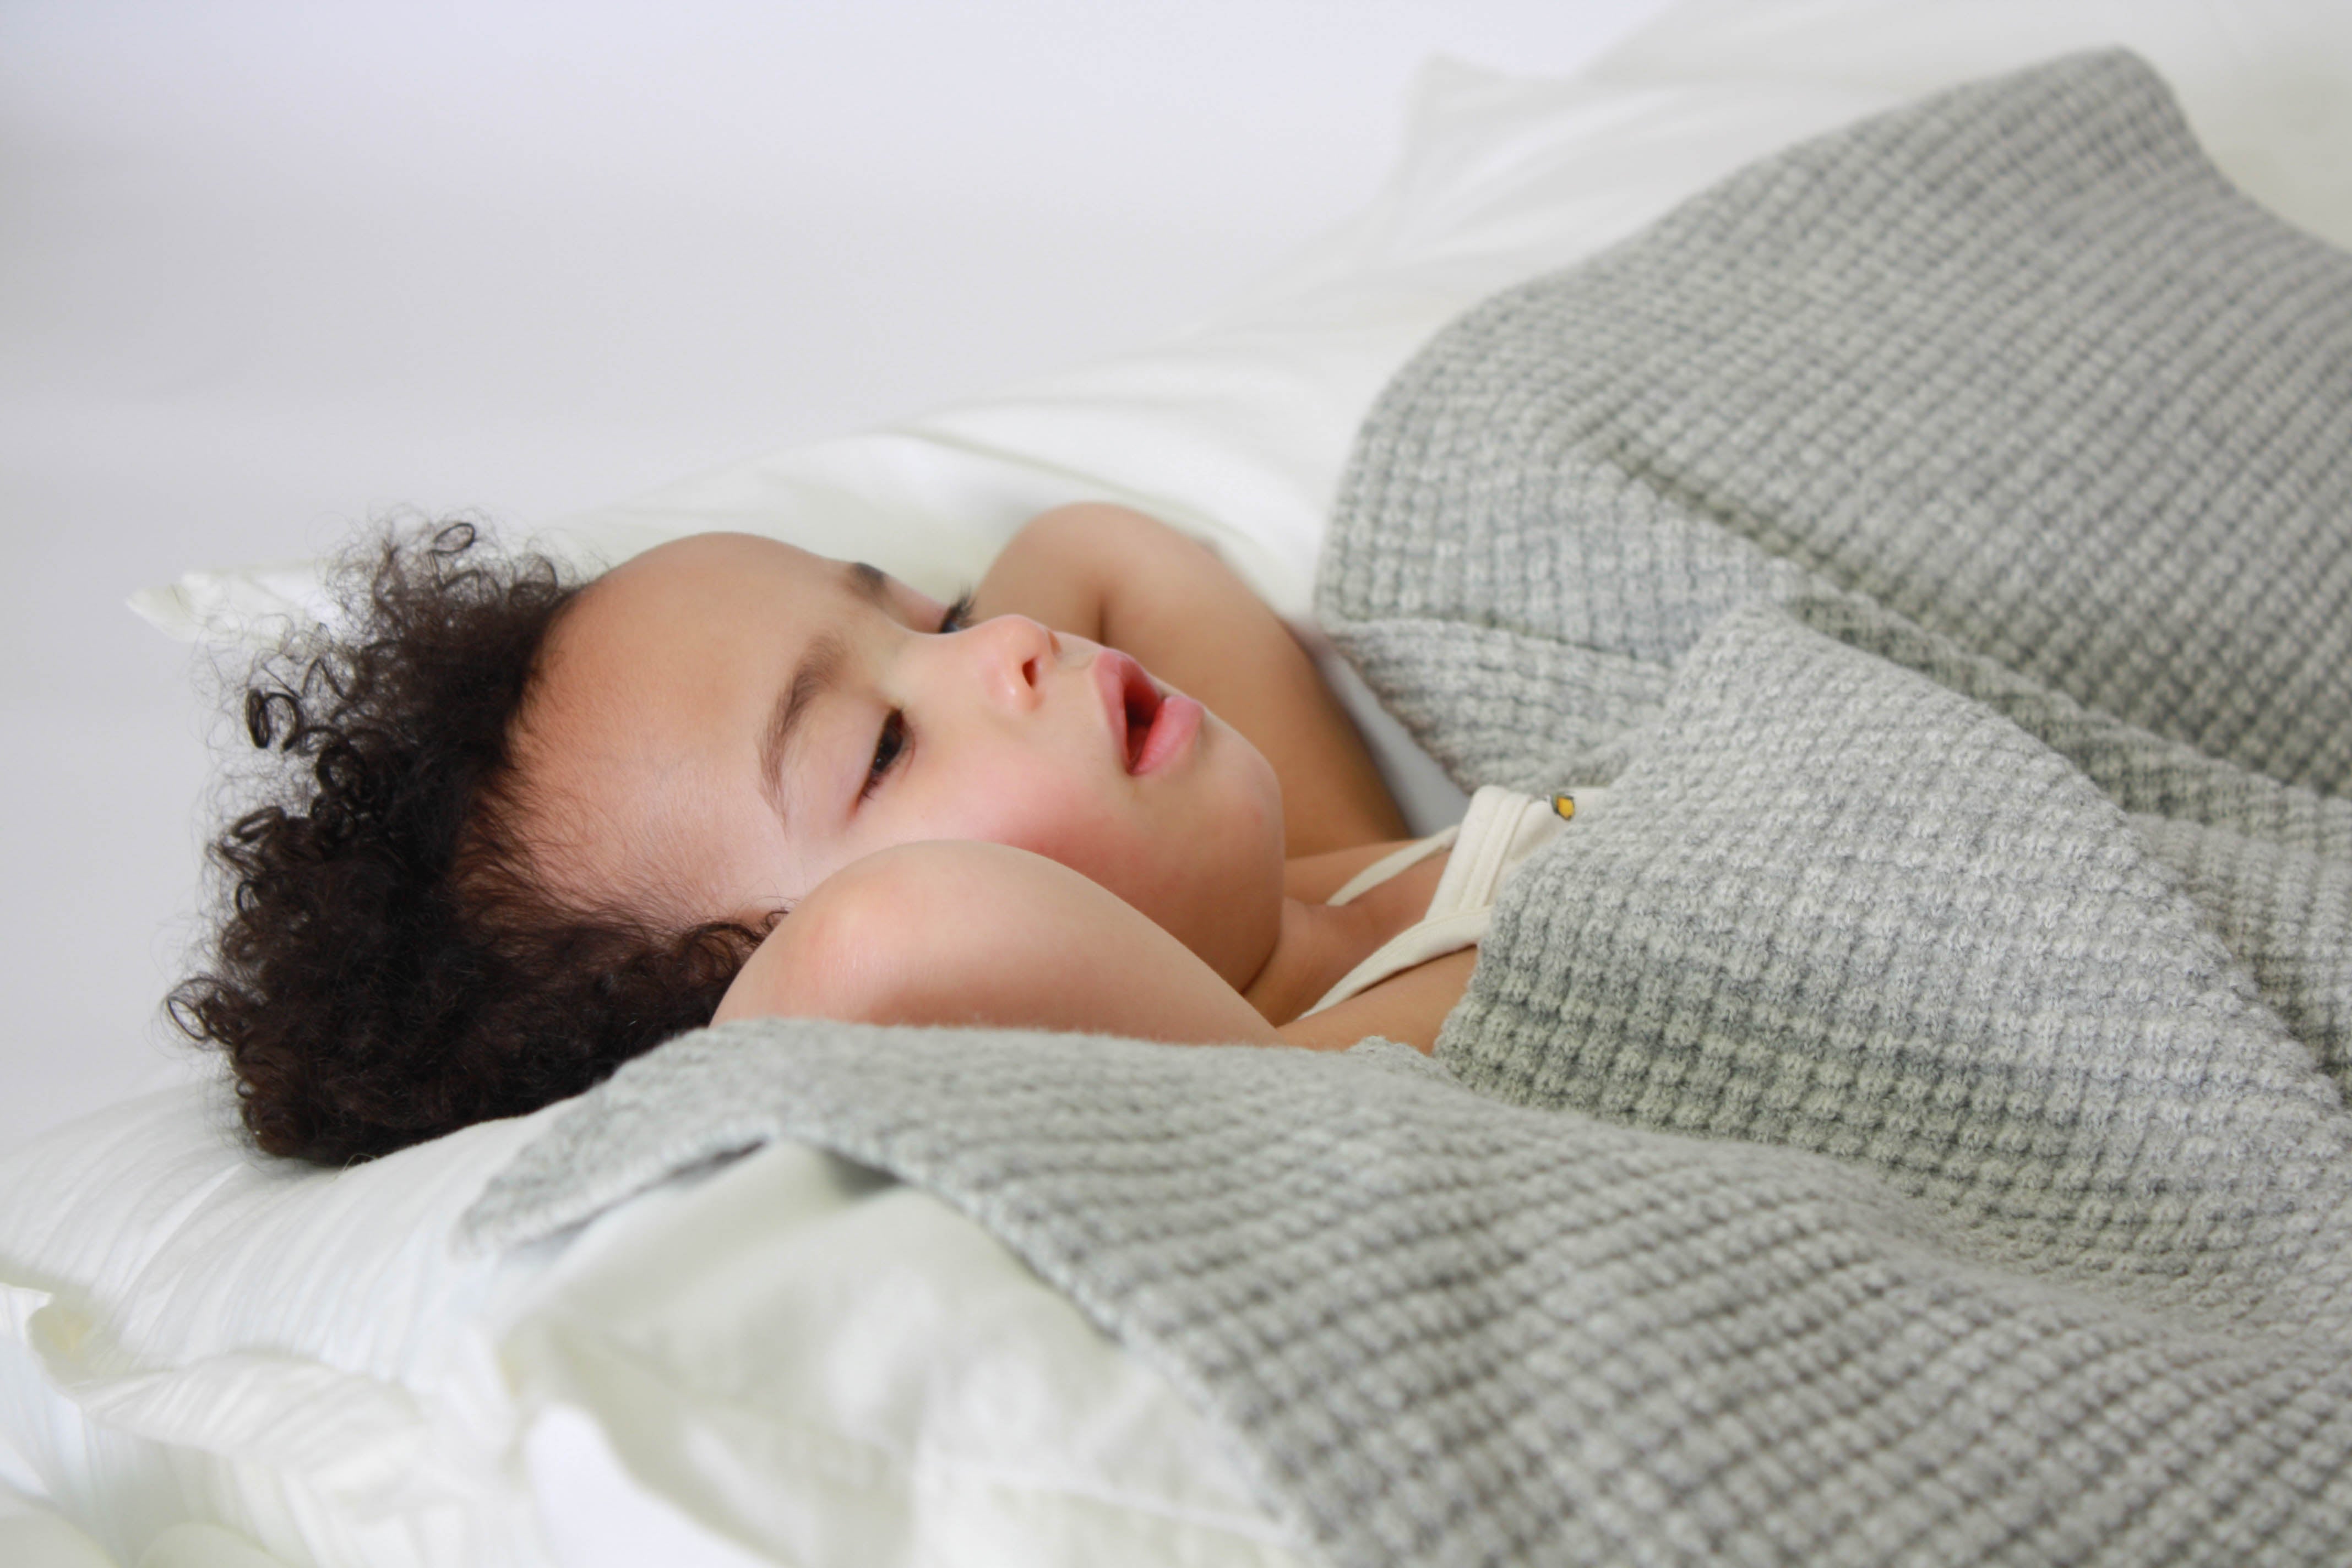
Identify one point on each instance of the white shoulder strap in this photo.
(1501, 828)
(1393, 862)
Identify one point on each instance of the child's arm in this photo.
(970, 933)
(979, 934)
(1120, 578)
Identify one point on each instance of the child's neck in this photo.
(1317, 943)
(1317, 946)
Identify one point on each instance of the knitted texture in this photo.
(2015, 364)
(1902, 1123)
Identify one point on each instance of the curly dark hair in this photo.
(385, 968)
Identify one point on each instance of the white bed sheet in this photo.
(788, 1360)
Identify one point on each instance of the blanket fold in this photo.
(1905, 1120)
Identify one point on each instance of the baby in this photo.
(545, 826)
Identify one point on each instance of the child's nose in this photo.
(1015, 653)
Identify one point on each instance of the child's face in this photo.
(724, 721)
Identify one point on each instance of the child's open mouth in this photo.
(1151, 726)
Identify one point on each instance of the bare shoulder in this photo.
(970, 933)
(866, 943)
(1106, 527)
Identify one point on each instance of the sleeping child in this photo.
(1937, 535)
(536, 828)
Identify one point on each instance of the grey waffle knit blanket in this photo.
(1904, 1122)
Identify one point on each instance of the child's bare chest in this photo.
(1410, 1005)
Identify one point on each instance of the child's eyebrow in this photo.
(820, 669)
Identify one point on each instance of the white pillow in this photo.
(189, 1333)
(194, 1339)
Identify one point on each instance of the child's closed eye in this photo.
(888, 749)
(891, 744)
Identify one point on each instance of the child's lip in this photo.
(1130, 698)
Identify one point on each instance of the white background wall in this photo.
(271, 267)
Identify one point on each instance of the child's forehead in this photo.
(704, 560)
(705, 579)
(714, 602)
(653, 692)
(698, 554)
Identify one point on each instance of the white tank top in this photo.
(1499, 831)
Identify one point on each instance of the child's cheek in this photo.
(1026, 808)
